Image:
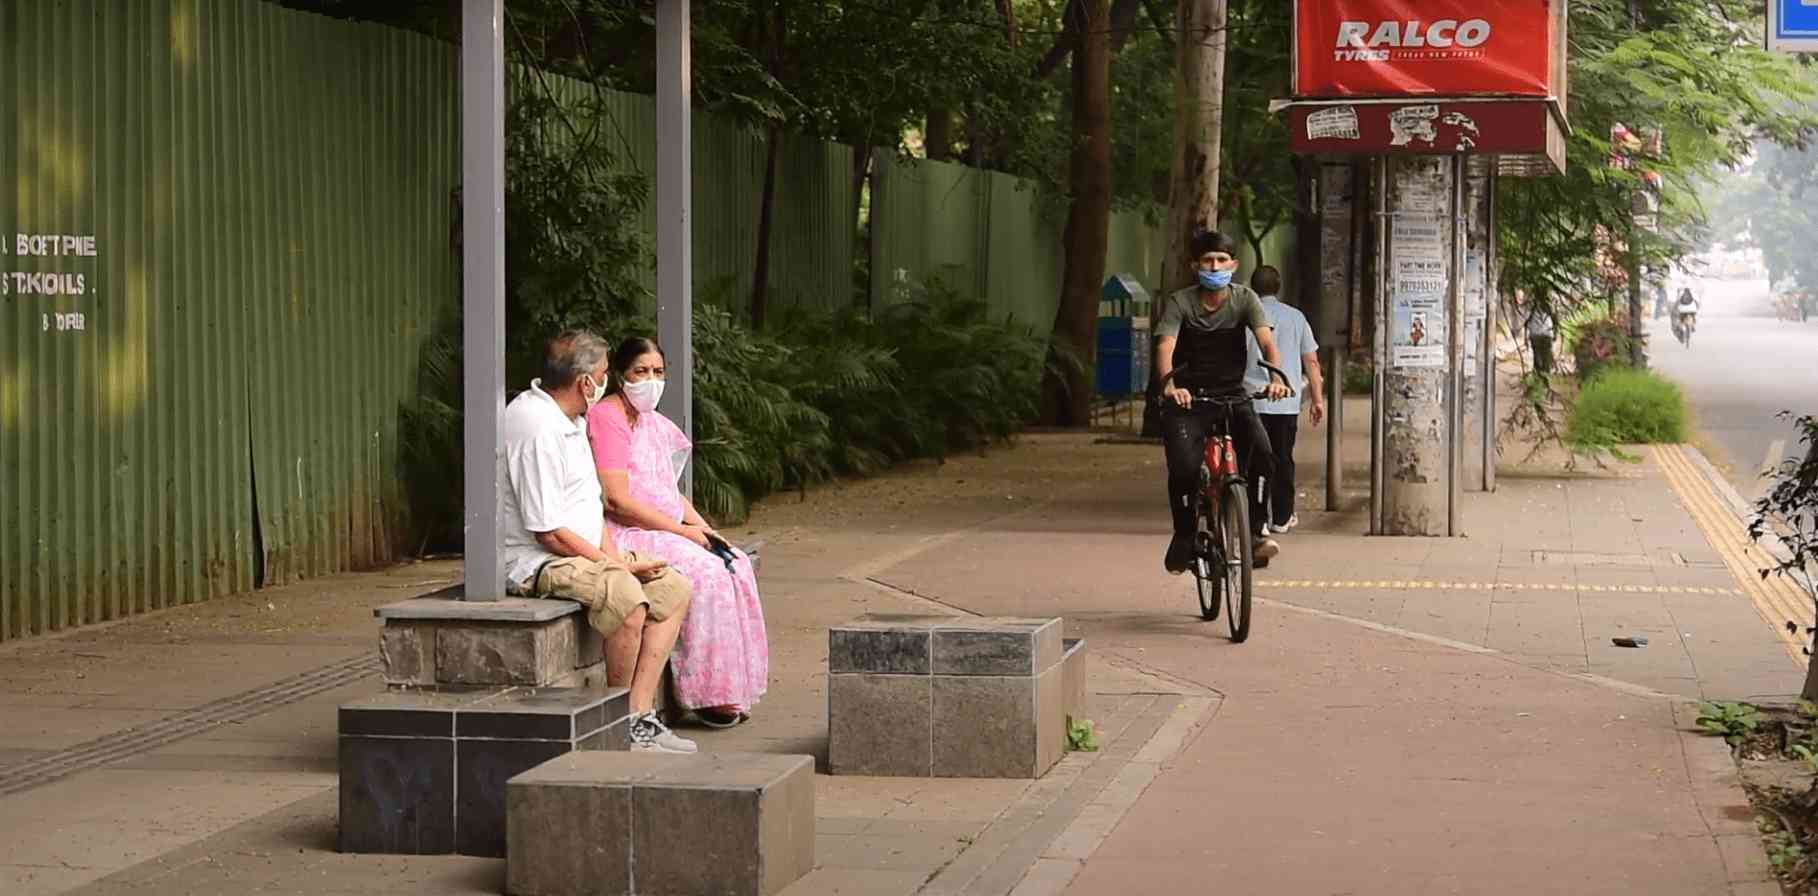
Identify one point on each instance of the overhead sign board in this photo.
(1398, 48)
(1793, 26)
(1507, 128)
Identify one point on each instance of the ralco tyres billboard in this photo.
(1387, 48)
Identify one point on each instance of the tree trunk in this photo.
(1199, 91)
(937, 136)
(760, 278)
(1068, 396)
(1810, 691)
(861, 223)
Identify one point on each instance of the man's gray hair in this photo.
(571, 356)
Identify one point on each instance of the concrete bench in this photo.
(739, 824)
(947, 696)
(423, 772)
(439, 640)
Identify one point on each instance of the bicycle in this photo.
(1222, 540)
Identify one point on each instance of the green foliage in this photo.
(1734, 722)
(1598, 342)
(1626, 407)
(1360, 377)
(576, 250)
(852, 393)
(429, 442)
(1789, 510)
(1696, 70)
(1082, 737)
(1784, 850)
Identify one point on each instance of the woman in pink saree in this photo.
(722, 658)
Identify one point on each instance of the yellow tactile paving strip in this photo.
(1435, 585)
(1777, 600)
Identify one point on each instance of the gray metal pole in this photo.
(1490, 295)
(1337, 192)
(1379, 187)
(675, 263)
(1455, 314)
(482, 289)
(1335, 421)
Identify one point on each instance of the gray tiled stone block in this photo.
(450, 752)
(481, 769)
(545, 857)
(407, 652)
(879, 650)
(588, 678)
(1073, 677)
(996, 646)
(397, 795)
(589, 645)
(1050, 719)
(750, 819)
(985, 727)
(878, 725)
(452, 608)
(504, 653)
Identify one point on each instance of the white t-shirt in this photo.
(1687, 306)
(546, 482)
(1294, 340)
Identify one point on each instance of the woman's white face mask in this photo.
(644, 394)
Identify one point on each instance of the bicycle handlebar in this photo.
(1276, 372)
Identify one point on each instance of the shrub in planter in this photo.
(1623, 407)
(1600, 344)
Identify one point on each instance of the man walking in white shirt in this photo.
(1281, 417)
(552, 520)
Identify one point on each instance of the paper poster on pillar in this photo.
(1418, 292)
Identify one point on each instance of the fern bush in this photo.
(1625, 406)
(852, 393)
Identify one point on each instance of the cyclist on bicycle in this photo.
(1202, 327)
(1685, 314)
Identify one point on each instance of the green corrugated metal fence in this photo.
(210, 399)
(989, 234)
(815, 220)
(269, 196)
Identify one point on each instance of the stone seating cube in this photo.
(946, 696)
(602, 824)
(423, 772)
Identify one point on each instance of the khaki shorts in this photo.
(610, 592)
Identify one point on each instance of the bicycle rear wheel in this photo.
(1207, 575)
(1239, 547)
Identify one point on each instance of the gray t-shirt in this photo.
(1185, 309)
(1211, 345)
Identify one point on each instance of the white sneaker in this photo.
(1285, 528)
(650, 735)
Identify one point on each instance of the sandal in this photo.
(714, 718)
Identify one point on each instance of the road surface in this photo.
(1742, 369)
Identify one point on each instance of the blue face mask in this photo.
(1215, 279)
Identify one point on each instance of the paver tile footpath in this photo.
(1402, 720)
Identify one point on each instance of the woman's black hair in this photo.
(626, 354)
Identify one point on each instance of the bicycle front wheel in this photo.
(1239, 548)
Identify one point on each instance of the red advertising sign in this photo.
(1384, 48)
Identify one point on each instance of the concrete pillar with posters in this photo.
(1434, 107)
(1417, 387)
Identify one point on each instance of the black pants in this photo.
(1278, 500)
(1184, 435)
(1543, 353)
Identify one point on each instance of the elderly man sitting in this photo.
(553, 525)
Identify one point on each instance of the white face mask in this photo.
(644, 394)
(598, 392)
